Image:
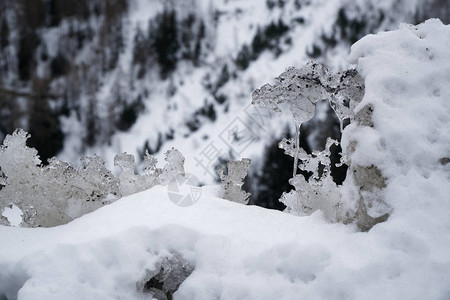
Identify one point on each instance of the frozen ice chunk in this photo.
(126, 162)
(319, 192)
(268, 96)
(302, 89)
(233, 181)
(307, 83)
(341, 110)
(349, 91)
(97, 178)
(150, 163)
(302, 111)
(57, 193)
(350, 88)
(173, 167)
(288, 145)
(309, 197)
(129, 182)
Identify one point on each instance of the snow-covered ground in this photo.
(239, 252)
(246, 252)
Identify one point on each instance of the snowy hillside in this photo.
(397, 150)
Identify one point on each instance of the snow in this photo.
(239, 252)
(407, 86)
(247, 252)
(105, 253)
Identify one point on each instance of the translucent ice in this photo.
(233, 181)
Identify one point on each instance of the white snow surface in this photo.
(247, 252)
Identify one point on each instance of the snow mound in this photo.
(406, 72)
(404, 119)
(246, 252)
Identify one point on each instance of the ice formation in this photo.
(173, 167)
(234, 179)
(131, 183)
(319, 192)
(57, 193)
(302, 89)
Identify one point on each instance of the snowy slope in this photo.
(239, 252)
(171, 104)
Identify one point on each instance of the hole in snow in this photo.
(164, 280)
(11, 281)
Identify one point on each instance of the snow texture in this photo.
(400, 137)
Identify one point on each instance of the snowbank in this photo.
(245, 252)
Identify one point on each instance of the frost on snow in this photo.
(57, 193)
(234, 179)
(302, 89)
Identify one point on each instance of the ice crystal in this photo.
(131, 183)
(348, 92)
(98, 177)
(350, 88)
(173, 167)
(58, 193)
(149, 163)
(289, 147)
(302, 89)
(126, 162)
(319, 192)
(233, 181)
(311, 196)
